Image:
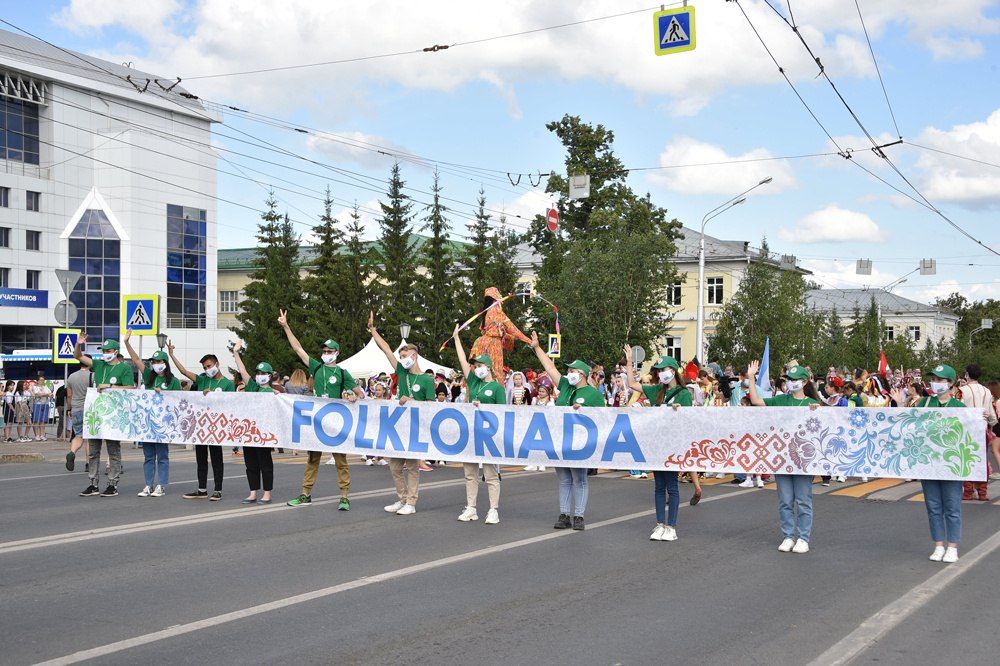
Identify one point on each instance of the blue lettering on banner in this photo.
(538, 438)
(24, 298)
(487, 425)
(416, 446)
(359, 437)
(387, 428)
(345, 431)
(463, 431)
(621, 439)
(508, 435)
(570, 421)
(300, 410)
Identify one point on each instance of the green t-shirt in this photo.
(487, 393)
(155, 381)
(118, 374)
(418, 387)
(857, 400)
(934, 402)
(330, 382)
(220, 383)
(583, 394)
(681, 397)
(253, 387)
(788, 401)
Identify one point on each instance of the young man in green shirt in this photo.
(483, 390)
(329, 381)
(211, 381)
(413, 385)
(110, 372)
(258, 460)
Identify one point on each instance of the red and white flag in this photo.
(883, 365)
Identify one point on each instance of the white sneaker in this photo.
(657, 534)
(468, 514)
(145, 492)
(747, 483)
(395, 506)
(158, 491)
(950, 555)
(760, 482)
(635, 476)
(406, 510)
(382, 462)
(786, 546)
(644, 475)
(864, 479)
(937, 554)
(669, 534)
(801, 546)
(331, 461)
(531, 468)
(720, 475)
(369, 462)
(492, 517)
(541, 468)
(841, 479)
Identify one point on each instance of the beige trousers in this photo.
(407, 481)
(492, 474)
(312, 471)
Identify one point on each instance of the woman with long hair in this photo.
(499, 334)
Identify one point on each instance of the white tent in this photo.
(370, 361)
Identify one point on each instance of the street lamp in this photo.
(715, 212)
(404, 330)
(161, 340)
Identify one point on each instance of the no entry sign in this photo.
(552, 217)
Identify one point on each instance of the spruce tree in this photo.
(322, 312)
(474, 261)
(398, 254)
(438, 290)
(358, 287)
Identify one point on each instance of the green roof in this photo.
(243, 258)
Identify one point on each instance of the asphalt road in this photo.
(131, 580)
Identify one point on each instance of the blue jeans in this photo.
(158, 461)
(797, 489)
(572, 484)
(666, 484)
(740, 477)
(943, 500)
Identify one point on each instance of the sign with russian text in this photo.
(23, 298)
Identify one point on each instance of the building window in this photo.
(4, 277)
(186, 274)
(4, 197)
(228, 301)
(673, 347)
(674, 294)
(32, 240)
(523, 287)
(915, 333)
(18, 130)
(890, 333)
(4, 236)
(95, 251)
(32, 200)
(715, 291)
(34, 280)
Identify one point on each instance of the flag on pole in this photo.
(764, 376)
(883, 365)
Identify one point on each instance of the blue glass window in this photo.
(187, 244)
(95, 251)
(19, 131)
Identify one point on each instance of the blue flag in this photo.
(764, 376)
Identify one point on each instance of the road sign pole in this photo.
(55, 343)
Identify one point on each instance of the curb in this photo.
(21, 458)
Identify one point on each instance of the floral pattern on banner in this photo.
(145, 416)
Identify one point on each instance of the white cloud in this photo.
(719, 178)
(834, 224)
(356, 147)
(946, 178)
(946, 48)
(843, 275)
(146, 18)
(974, 292)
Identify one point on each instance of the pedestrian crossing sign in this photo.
(63, 344)
(141, 314)
(674, 30)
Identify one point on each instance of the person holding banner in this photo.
(110, 372)
(329, 381)
(573, 391)
(793, 489)
(483, 389)
(158, 377)
(669, 391)
(260, 466)
(211, 381)
(413, 385)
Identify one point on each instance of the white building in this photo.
(118, 184)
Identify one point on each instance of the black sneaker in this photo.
(562, 523)
(195, 494)
(110, 491)
(578, 523)
(735, 482)
(70, 461)
(86, 467)
(216, 496)
(91, 491)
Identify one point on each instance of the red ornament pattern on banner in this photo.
(212, 428)
(749, 452)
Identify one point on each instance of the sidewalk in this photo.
(35, 452)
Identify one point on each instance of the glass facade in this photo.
(18, 130)
(95, 251)
(186, 266)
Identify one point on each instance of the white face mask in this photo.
(213, 371)
(263, 380)
(158, 368)
(939, 388)
(573, 378)
(329, 358)
(407, 362)
(794, 385)
(109, 357)
(482, 372)
(666, 376)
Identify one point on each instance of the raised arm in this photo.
(177, 364)
(239, 362)
(131, 352)
(462, 360)
(755, 399)
(547, 364)
(292, 340)
(632, 383)
(78, 351)
(382, 344)
(510, 329)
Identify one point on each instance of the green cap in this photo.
(666, 362)
(484, 359)
(579, 365)
(265, 367)
(796, 372)
(110, 344)
(944, 372)
(332, 344)
(159, 356)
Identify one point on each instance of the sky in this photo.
(695, 128)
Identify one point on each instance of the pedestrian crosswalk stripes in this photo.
(862, 489)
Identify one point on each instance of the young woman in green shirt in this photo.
(157, 377)
(258, 461)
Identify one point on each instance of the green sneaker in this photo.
(301, 500)
(345, 504)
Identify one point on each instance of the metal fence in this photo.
(25, 416)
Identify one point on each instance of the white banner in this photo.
(910, 443)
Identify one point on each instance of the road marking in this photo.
(896, 493)
(863, 489)
(919, 497)
(891, 616)
(179, 630)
